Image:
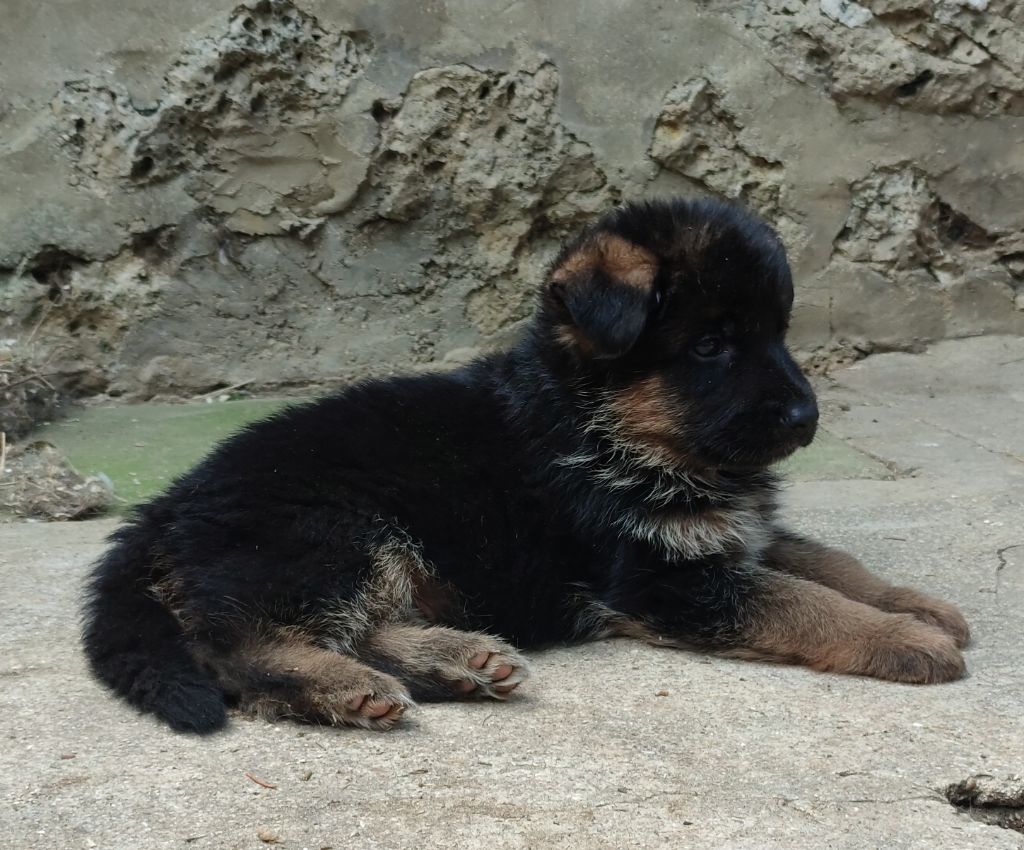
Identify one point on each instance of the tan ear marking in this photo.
(618, 258)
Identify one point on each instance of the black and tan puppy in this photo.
(610, 475)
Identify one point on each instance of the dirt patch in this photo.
(836, 355)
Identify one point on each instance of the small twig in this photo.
(47, 309)
(3, 452)
(933, 796)
(40, 378)
(220, 390)
(259, 781)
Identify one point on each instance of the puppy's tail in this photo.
(138, 648)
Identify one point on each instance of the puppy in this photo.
(609, 475)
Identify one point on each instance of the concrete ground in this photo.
(611, 745)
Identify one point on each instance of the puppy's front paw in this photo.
(929, 610)
(903, 649)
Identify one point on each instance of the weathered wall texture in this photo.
(199, 193)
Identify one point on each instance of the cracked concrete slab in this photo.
(960, 401)
(941, 389)
(612, 745)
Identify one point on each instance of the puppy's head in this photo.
(675, 315)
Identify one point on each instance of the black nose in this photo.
(801, 419)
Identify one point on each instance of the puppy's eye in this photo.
(709, 346)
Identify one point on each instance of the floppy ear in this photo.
(606, 286)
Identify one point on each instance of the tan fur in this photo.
(711, 532)
(327, 687)
(597, 621)
(844, 573)
(167, 591)
(434, 599)
(928, 609)
(389, 596)
(804, 622)
(620, 259)
(645, 413)
(444, 653)
(646, 427)
(647, 423)
(574, 339)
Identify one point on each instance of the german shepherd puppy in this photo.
(609, 475)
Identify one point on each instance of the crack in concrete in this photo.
(971, 440)
(1001, 556)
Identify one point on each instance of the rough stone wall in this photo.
(201, 194)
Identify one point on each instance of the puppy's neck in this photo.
(607, 483)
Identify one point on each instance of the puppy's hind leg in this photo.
(439, 663)
(292, 678)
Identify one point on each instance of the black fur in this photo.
(522, 481)
(138, 648)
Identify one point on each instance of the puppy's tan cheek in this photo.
(647, 415)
